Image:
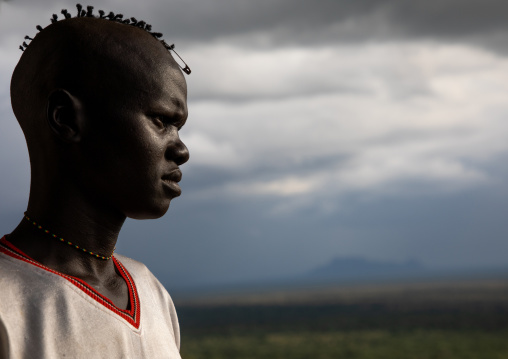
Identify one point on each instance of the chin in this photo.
(151, 213)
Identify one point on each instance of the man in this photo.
(100, 103)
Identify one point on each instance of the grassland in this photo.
(423, 320)
(419, 344)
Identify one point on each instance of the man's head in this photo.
(100, 104)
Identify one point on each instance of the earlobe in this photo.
(64, 115)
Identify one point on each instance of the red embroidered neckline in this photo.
(131, 315)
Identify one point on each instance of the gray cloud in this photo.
(320, 22)
(426, 18)
(311, 22)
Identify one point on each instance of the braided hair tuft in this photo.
(110, 17)
(66, 14)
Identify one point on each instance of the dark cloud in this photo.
(230, 17)
(290, 22)
(328, 21)
(451, 18)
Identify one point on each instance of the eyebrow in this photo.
(178, 110)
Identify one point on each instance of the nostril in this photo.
(184, 154)
(178, 153)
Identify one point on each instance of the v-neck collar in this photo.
(131, 315)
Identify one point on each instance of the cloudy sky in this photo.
(322, 129)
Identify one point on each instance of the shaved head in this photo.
(88, 57)
(98, 101)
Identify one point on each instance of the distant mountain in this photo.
(343, 270)
(354, 268)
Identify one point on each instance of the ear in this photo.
(65, 116)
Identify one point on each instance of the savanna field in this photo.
(419, 321)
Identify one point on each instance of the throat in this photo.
(105, 278)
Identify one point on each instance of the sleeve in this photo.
(175, 324)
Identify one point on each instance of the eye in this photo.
(158, 120)
(165, 121)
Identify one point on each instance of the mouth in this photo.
(171, 180)
(173, 176)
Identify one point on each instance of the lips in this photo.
(173, 176)
(171, 181)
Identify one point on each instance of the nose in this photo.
(177, 152)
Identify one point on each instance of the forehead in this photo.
(163, 82)
(164, 89)
(143, 72)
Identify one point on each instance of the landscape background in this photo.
(333, 143)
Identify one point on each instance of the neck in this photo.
(76, 218)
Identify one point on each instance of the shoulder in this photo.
(17, 272)
(24, 284)
(151, 289)
(131, 265)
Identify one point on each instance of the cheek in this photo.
(139, 143)
(126, 153)
(147, 155)
(143, 159)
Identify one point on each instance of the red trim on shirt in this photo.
(131, 315)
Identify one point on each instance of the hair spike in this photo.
(169, 47)
(66, 14)
(119, 18)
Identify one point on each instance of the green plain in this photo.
(456, 320)
(419, 344)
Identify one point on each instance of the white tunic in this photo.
(47, 314)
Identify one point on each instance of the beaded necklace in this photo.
(67, 242)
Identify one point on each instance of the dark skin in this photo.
(102, 148)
